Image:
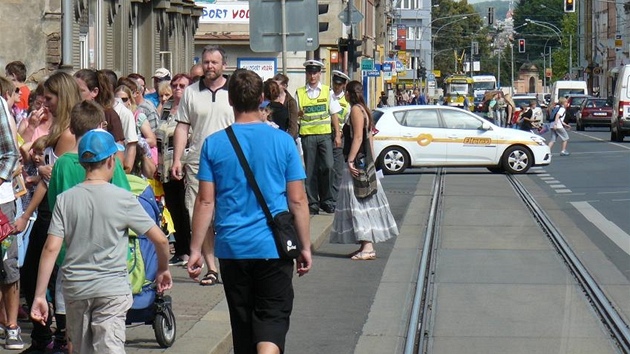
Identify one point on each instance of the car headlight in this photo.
(538, 140)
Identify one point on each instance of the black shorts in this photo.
(260, 299)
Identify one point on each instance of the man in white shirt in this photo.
(318, 113)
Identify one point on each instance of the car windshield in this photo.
(520, 101)
(484, 85)
(459, 88)
(569, 92)
(597, 103)
(576, 101)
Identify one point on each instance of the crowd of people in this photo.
(75, 137)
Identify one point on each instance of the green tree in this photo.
(452, 37)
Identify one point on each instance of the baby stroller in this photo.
(148, 306)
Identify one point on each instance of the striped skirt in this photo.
(359, 220)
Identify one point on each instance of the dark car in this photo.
(575, 102)
(594, 112)
(478, 103)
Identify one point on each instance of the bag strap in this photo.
(248, 173)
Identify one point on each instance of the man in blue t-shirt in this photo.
(256, 280)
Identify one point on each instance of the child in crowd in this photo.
(32, 158)
(92, 228)
(265, 114)
(67, 172)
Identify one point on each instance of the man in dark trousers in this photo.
(318, 112)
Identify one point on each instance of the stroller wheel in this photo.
(164, 326)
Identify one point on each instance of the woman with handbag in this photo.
(362, 212)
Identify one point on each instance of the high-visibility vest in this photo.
(316, 119)
(345, 109)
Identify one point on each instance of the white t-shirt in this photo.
(561, 114)
(128, 122)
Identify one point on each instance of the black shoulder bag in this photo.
(282, 225)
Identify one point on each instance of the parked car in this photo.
(620, 122)
(442, 136)
(575, 103)
(594, 112)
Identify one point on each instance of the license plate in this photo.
(599, 114)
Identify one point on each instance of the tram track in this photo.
(419, 328)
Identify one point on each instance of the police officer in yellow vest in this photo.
(339, 81)
(318, 120)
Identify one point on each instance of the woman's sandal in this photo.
(364, 256)
(211, 278)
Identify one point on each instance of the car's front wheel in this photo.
(517, 159)
(394, 160)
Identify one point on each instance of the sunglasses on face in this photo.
(124, 99)
(180, 86)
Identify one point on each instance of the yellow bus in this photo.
(456, 88)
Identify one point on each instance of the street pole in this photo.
(512, 54)
(571, 56)
(545, 70)
(351, 42)
(284, 37)
(498, 68)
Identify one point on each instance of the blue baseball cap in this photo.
(100, 144)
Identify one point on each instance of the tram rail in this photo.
(419, 327)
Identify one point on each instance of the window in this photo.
(460, 120)
(425, 118)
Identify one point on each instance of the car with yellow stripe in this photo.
(442, 136)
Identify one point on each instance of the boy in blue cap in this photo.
(92, 219)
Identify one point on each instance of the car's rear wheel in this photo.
(616, 135)
(517, 159)
(394, 160)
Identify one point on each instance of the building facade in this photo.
(123, 35)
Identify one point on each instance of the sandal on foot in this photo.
(364, 256)
(211, 278)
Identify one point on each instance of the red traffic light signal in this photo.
(521, 46)
(569, 5)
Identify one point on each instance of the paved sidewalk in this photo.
(203, 324)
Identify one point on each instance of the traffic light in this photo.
(354, 52)
(421, 72)
(490, 16)
(323, 9)
(569, 5)
(521, 46)
(342, 45)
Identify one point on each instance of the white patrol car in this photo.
(441, 136)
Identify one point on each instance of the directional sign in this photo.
(367, 64)
(388, 66)
(355, 15)
(371, 73)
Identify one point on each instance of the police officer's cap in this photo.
(313, 66)
(339, 77)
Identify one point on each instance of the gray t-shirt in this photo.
(94, 220)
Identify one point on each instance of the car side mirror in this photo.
(485, 126)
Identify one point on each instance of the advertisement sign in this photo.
(237, 12)
(264, 67)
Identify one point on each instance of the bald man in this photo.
(196, 72)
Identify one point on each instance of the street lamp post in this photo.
(557, 32)
(433, 35)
